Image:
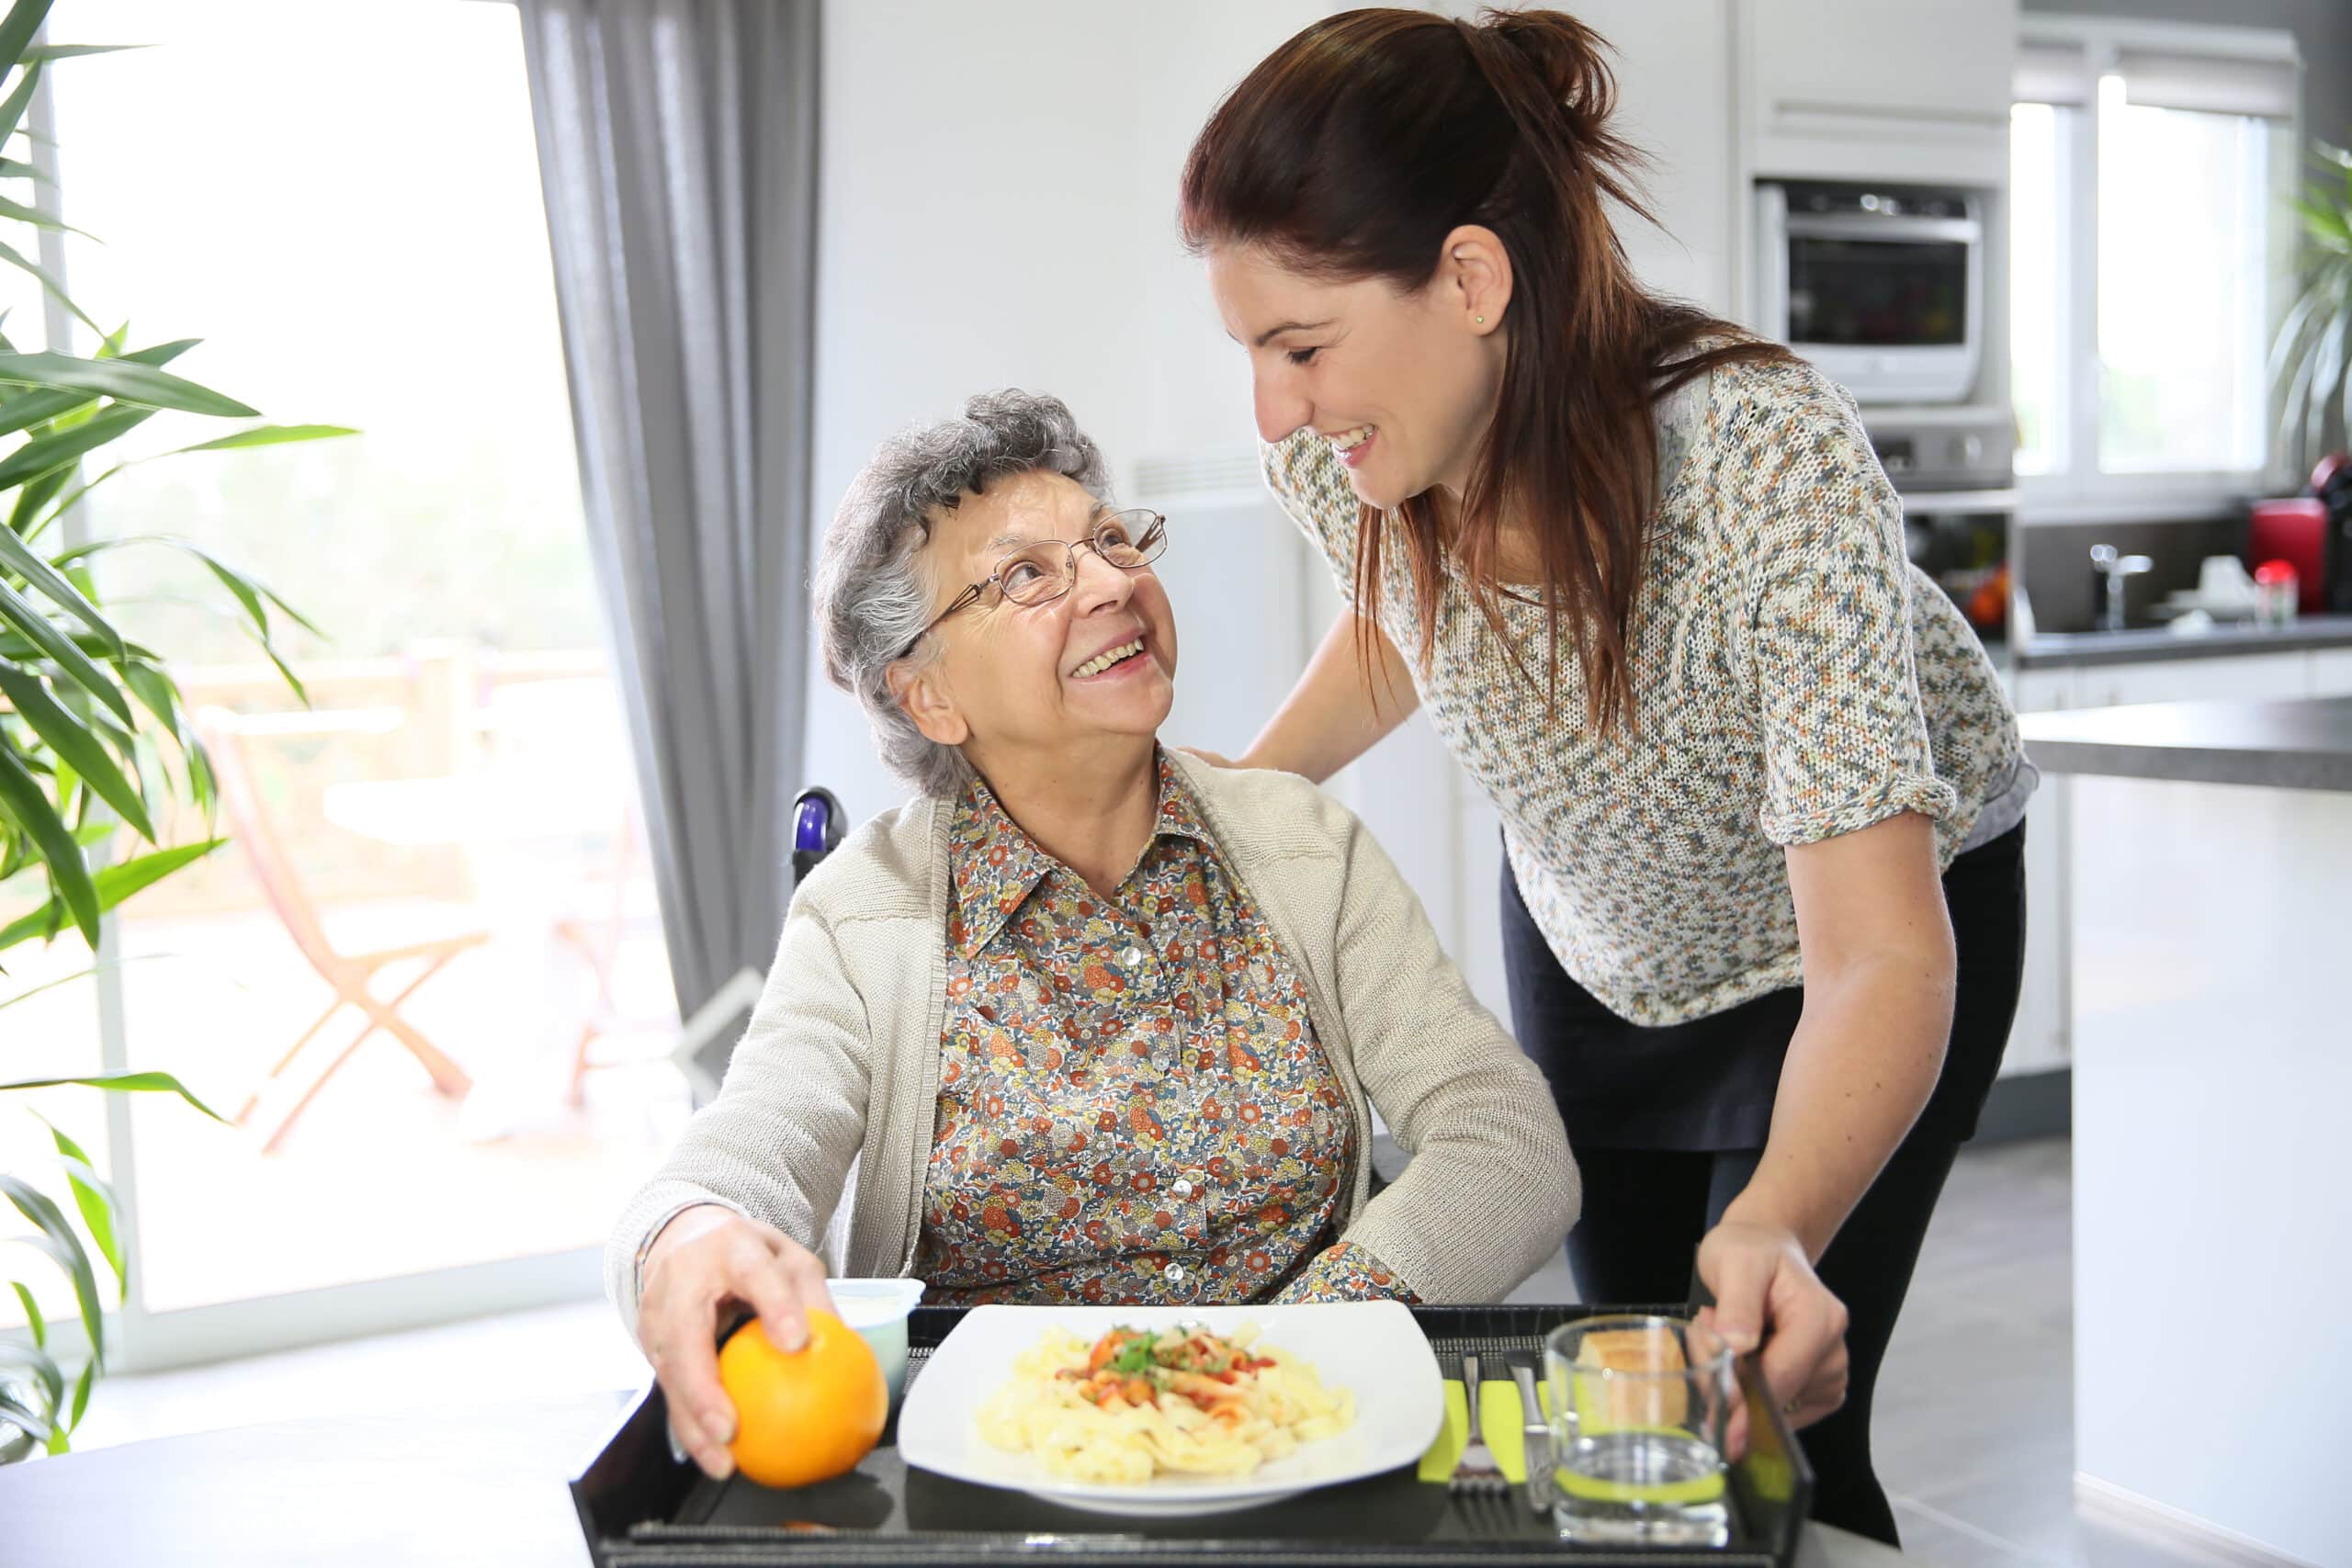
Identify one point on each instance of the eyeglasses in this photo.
(1042, 573)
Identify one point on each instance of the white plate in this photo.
(1374, 1349)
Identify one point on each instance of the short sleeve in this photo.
(1829, 622)
(1312, 489)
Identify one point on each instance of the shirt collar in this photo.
(995, 866)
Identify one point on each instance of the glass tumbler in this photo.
(1641, 1412)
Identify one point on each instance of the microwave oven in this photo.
(1881, 286)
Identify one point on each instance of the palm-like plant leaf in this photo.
(22, 263)
(26, 804)
(45, 578)
(77, 742)
(33, 1319)
(66, 443)
(17, 611)
(89, 720)
(43, 53)
(124, 379)
(17, 29)
(94, 1198)
(28, 409)
(112, 884)
(61, 1242)
(2311, 356)
(122, 1083)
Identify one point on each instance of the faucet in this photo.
(2115, 568)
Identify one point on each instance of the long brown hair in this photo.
(1350, 152)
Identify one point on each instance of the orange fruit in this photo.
(807, 1414)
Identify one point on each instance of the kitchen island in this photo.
(2210, 885)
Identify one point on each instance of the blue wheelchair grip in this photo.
(817, 825)
(810, 822)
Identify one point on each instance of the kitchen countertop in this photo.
(2300, 743)
(2141, 645)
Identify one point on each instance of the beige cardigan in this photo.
(836, 1081)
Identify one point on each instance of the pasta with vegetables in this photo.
(1137, 1405)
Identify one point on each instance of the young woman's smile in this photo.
(1402, 385)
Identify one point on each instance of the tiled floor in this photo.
(1975, 1405)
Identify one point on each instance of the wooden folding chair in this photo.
(597, 940)
(352, 974)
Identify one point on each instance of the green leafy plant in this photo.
(91, 726)
(2311, 359)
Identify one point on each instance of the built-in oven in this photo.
(1952, 467)
(1882, 286)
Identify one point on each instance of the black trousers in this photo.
(1649, 1197)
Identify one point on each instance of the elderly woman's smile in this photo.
(1119, 657)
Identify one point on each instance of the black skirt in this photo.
(1709, 1084)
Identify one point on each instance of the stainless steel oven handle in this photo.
(1850, 226)
(1923, 502)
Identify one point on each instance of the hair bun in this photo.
(1564, 58)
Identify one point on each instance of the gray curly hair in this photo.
(873, 599)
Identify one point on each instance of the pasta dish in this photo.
(1138, 1404)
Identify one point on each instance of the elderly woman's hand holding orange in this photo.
(706, 1260)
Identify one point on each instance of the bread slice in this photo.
(1610, 1403)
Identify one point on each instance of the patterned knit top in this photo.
(1795, 677)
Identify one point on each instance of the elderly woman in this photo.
(1088, 1019)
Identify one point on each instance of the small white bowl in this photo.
(877, 1309)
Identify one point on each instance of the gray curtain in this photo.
(678, 147)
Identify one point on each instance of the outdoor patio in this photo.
(445, 796)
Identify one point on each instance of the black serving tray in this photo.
(640, 1508)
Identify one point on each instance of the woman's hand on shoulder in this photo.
(707, 1260)
(1766, 1293)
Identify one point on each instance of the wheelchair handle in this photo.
(817, 824)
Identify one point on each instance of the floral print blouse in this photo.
(1133, 1104)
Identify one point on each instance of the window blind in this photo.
(2266, 89)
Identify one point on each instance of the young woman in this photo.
(1762, 796)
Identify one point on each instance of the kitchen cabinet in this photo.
(1674, 98)
(2038, 1038)
(2254, 675)
(2208, 1077)
(1866, 89)
(2331, 673)
(2043, 1036)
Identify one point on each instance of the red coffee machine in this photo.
(2294, 530)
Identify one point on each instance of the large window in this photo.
(343, 200)
(2150, 258)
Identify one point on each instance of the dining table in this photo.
(473, 1480)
